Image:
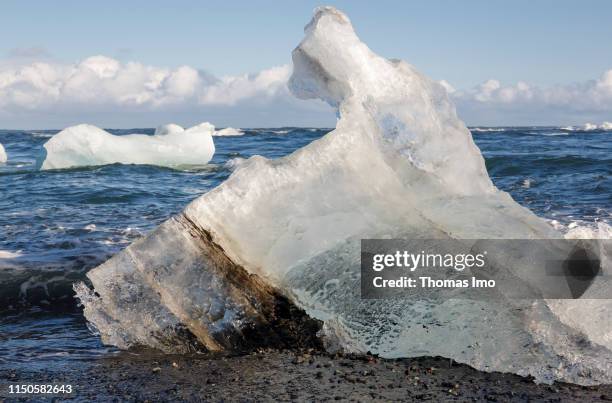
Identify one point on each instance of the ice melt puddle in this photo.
(87, 145)
(295, 224)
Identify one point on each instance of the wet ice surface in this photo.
(399, 164)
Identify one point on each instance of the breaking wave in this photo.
(3, 157)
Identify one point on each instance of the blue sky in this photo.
(542, 43)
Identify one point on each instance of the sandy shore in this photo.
(290, 376)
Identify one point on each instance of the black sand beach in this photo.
(270, 375)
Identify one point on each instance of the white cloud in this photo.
(230, 90)
(103, 90)
(101, 80)
(447, 86)
(590, 96)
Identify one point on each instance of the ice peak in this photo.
(403, 111)
(331, 12)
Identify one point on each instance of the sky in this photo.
(504, 63)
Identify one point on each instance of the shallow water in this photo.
(56, 225)
(37, 339)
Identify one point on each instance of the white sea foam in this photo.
(41, 134)
(589, 127)
(554, 134)
(413, 171)
(228, 131)
(87, 145)
(486, 129)
(3, 156)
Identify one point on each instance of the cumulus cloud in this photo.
(230, 90)
(593, 97)
(101, 80)
(100, 89)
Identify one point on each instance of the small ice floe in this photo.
(6, 254)
(527, 183)
(87, 145)
(228, 131)
(3, 157)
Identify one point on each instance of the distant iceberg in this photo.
(170, 146)
(228, 131)
(3, 157)
(400, 164)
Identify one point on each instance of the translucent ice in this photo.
(171, 146)
(413, 171)
(3, 157)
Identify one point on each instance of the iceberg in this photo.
(3, 157)
(88, 145)
(292, 227)
(228, 131)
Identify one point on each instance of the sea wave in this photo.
(487, 129)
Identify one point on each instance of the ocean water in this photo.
(56, 225)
